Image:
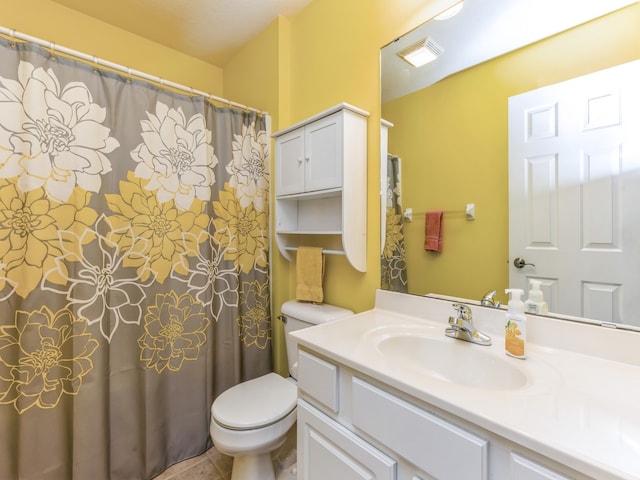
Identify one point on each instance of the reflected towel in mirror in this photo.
(433, 231)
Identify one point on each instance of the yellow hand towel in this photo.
(309, 274)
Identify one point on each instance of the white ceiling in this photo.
(211, 30)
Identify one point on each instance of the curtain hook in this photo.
(128, 74)
(95, 65)
(12, 41)
(52, 46)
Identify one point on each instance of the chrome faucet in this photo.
(489, 300)
(462, 327)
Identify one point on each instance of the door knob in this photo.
(520, 263)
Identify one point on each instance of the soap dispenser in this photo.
(535, 303)
(515, 329)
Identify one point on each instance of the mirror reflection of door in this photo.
(574, 168)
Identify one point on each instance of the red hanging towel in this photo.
(433, 231)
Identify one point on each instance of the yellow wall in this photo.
(452, 138)
(333, 52)
(53, 22)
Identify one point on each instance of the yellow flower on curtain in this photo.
(29, 224)
(162, 224)
(44, 356)
(394, 233)
(242, 230)
(175, 331)
(255, 319)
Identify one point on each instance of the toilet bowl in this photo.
(251, 420)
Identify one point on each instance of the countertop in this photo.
(578, 409)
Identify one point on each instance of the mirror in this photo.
(450, 122)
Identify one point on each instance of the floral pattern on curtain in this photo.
(393, 262)
(134, 281)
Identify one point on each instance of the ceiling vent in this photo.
(421, 53)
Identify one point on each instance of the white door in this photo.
(574, 193)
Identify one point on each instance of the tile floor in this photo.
(213, 465)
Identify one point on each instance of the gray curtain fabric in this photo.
(133, 268)
(393, 261)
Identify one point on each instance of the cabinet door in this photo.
(433, 444)
(290, 163)
(323, 153)
(525, 469)
(327, 450)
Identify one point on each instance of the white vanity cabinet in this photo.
(353, 427)
(321, 184)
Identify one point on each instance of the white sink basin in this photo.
(453, 361)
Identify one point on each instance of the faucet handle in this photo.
(464, 312)
(489, 299)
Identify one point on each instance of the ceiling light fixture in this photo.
(450, 12)
(421, 52)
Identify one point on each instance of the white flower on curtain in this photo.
(249, 167)
(101, 289)
(208, 280)
(176, 156)
(52, 136)
(7, 286)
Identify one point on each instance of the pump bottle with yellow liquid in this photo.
(515, 334)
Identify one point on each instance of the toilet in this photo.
(251, 420)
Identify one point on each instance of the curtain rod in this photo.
(121, 68)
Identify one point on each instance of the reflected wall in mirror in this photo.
(452, 138)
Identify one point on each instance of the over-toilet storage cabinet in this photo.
(353, 427)
(321, 184)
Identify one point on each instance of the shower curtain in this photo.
(393, 262)
(133, 267)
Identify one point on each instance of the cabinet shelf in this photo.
(309, 232)
(321, 184)
(314, 195)
(325, 251)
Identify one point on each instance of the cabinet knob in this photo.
(299, 159)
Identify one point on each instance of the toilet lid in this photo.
(255, 403)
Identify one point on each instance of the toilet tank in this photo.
(297, 315)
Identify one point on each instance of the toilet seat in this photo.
(255, 403)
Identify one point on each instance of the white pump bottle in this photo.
(535, 303)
